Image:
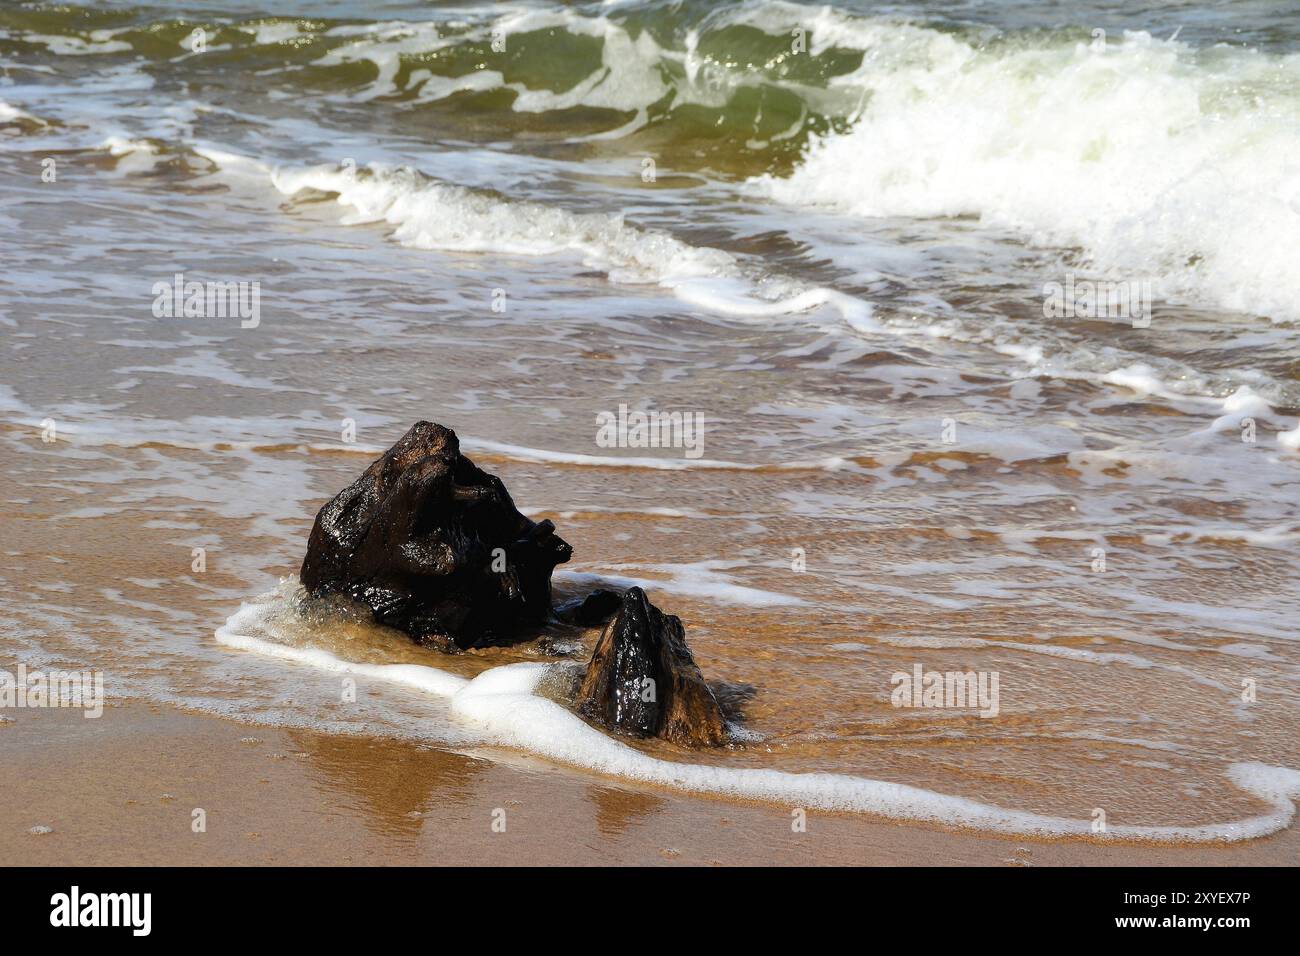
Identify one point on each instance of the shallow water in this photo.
(840, 263)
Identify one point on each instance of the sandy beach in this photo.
(122, 791)
(973, 333)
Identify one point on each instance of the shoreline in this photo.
(122, 790)
(922, 383)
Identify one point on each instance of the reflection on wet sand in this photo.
(393, 789)
(618, 808)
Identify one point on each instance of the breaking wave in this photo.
(1144, 157)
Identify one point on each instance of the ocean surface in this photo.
(835, 232)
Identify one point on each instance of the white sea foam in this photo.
(383, 45)
(704, 579)
(630, 77)
(270, 33)
(429, 214)
(1158, 160)
(92, 427)
(10, 114)
(502, 708)
(99, 42)
(549, 456)
(1290, 440)
(133, 155)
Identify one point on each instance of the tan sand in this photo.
(116, 592)
(123, 789)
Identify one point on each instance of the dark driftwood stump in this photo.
(434, 546)
(643, 680)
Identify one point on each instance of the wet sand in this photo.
(914, 461)
(121, 790)
(111, 587)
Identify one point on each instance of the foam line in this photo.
(502, 705)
